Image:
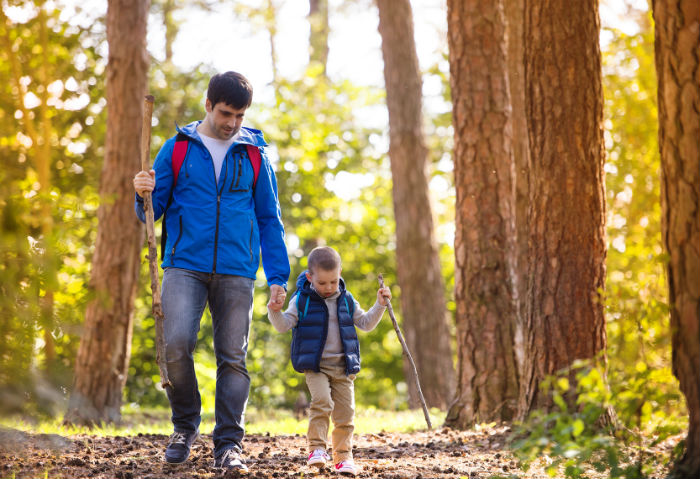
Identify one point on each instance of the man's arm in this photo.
(269, 218)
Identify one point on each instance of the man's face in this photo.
(223, 120)
(325, 282)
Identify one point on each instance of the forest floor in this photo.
(440, 453)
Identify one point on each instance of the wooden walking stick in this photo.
(152, 249)
(407, 354)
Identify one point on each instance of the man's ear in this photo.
(308, 276)
(208, 106)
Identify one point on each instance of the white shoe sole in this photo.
(347, 472)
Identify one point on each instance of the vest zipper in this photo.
(325, 333)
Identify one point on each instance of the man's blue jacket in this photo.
(220, 227)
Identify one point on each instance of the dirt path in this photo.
(443, 453)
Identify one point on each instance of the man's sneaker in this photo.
(179, 445)
(318, 458)
(346, 467)
(231, 460)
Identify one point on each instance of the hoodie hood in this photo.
(246, 136)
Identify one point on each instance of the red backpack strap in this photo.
(255, 161)
(178, 158)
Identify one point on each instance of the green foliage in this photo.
(39, 331)
(577, 440)
(639, 336)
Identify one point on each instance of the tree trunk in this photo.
(318, 38)
(103, 358)
(565, 320)
(487, 388)
(677, 37)
(43, 166)
(515, 25)
(171, 28)
(270, 14)
(418, 265)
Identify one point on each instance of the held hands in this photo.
(277, 297)
(144, 181)
(384, 295)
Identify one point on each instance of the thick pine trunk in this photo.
(566, 273)
(485, 274)
(103, 357)
(678, 72)
(418, 266)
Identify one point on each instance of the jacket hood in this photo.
(246, 136)
(304, 285)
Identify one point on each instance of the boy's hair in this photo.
(323, 257)
(231, 88)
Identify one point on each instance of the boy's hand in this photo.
(277, 297)
(144, 181)
(384, 295)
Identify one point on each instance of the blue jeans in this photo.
(184, 295)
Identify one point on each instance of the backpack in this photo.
(178, 158)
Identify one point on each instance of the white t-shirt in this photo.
(218, 148)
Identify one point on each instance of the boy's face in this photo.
(325, 282)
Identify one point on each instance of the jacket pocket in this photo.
(238, 184)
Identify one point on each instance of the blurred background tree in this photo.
(51, 136)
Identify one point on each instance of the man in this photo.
(219, 215)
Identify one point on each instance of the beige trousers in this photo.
(332, 395)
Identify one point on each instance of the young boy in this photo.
(326, 349)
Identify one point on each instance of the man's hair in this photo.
(323, 257)
(231, 88)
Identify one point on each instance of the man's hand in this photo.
(384, 295)
(144, 181)
(277, 297)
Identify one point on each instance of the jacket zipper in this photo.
(218, 209)
(179, 237)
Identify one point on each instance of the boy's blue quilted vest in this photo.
(309, 335)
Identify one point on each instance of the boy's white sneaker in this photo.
(318, 458)
(346, 467)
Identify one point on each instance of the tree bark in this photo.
(418, 265)
(677, 36)
(515, 26)
(485, 261)
(318, 38)
(103, 357)
(565, 319)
